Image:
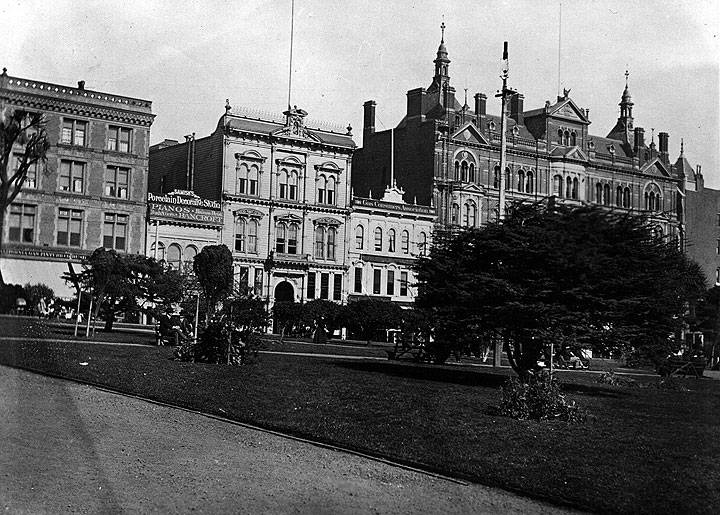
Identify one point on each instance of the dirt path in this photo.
(71, 448)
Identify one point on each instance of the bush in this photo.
(220, 343)
(538, 399)
(612, 379)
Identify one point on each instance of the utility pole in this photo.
(504, 94)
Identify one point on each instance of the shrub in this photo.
(220, 343)
(612, 379)
(538, 399)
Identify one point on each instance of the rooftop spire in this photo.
(682, 147)
(442, 34)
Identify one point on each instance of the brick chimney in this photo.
(81, 84)
(369, 121)
(480, 104)
(516, 108)
(415, 99)
(663, 138)
(639, 138)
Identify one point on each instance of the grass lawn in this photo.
(643, 450)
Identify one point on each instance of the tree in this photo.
(22, 134)
(324, 316)
(550, 273)
(368, 316)
(214, 271)
(36, 292)
(287, 316)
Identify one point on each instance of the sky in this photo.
(189, 57)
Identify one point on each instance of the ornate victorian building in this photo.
(446, 154)
(285, 193)
(91, 191)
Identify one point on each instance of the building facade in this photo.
(387, 236)
(445, 154)
(284, 189)
(702, 216)
(89, 193)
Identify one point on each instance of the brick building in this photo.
(91, 191)
(446, 154)
(285, 194)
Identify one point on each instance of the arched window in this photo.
(319, 242)
(521, 181)
(378, 239)
(618, 196)
(405, 242)
(422, 244)
(292, 238)
(530, 183)
(253, 185)
(359, 237)
(283, 191)
(160, 255)
(240, 233)
(455, 215)
(281, 238)
(568, 187)
(575, 188)
(573, 139)
(331, 191)
(293, 186)
(174, 256)
(322, 187)
(598, 193)
(606, 194)
(496, 177)
(391, 240)
(188, 257)
(464, 171)
(330, 250)
(241, 185)
(508, 178)
(470, 214)
(566, 138)
(560, 136)
(471, 176)
(626, 198)
(252, 232)
(457, 170)
(558, 186)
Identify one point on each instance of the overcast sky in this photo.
(188, 57)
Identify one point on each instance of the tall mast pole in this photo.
(503, 137)
(292, 34)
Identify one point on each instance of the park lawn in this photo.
(642, 451)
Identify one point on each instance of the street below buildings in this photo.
(68, 447)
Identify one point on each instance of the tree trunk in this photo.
(109, 319)
(2, 231)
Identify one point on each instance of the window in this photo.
(319, 242)
(68, 229)
(606, 194)
(470, 214)
(378, 239)
(246, 235)
(240, 230)
(626, 197)
(496, 177)
(457, 170)
(337, 287)
(324, 286)
(325, 242)
(160, 254)
(311, 285)
(173, 256)
(74, 132)
(330, 250)
(252, 181)
(241, 277)
(115, 231)
(598, 193)
(464, 171)
(246, 182)
(575, 188)
(31, 175)
(22, 223)
(293, 186)
(530, 183)
(558, 186)
(189, 258)
(116, 181)
(258, 283)
(359, 237)
(422, 244)
(118, 139)
(618, 196)
(405, 242)
(573, 139)
(471, 176)
(568, 189)
(252, 232)
(455, 214)
(283, 185)
(72, 176)
(322, 185)
(390, 282)
(652, 198)
(377, 280)
(521, 181)
(292, 239)
(391, 240)
(403, 284)
(280, 238)
(358, 279)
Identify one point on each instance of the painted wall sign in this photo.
(181, 213)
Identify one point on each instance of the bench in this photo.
(681, 365)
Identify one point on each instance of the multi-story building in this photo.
(285, 194)
(447, 155)
(702, 219)
(387, 236)
(89, 193)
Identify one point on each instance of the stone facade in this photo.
(285, 194)
(91, 190)
(387, 235)
(445, 154)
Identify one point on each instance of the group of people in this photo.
(175, 327)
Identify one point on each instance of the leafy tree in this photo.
(22, 133)
(35, 292)
(288, 316)
(551, 273)
(214, 271)
(368, 316)
(324, 316)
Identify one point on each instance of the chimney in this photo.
(516, 108)
(415, 99)
(663, 138)
(639, 138)
(480, 104)
(369, 123)
(81, 84)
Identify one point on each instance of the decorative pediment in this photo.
(577, 154)
(328, 167)
(248, 213)
(656, 168)
(327, 221)
(470, 133)
(471, 188)
(289, 217)
(250, 155)
(568, 110)
(291, 161)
